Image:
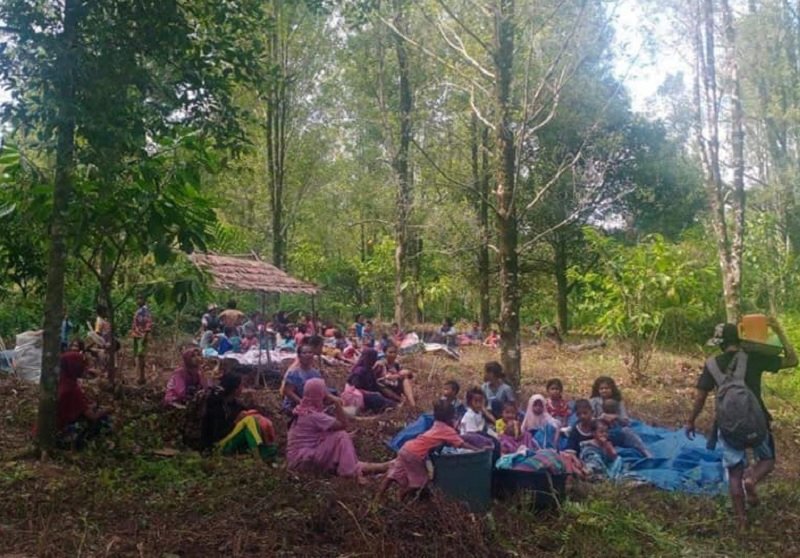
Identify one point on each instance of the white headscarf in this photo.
(535, 422)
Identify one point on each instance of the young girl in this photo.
(556, 406)
(409, 470)
(605, 393)
(543, 428)
(604, 388)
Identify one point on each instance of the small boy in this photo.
(621, 435)
(450, 394)
(584, 428)
(408, 469)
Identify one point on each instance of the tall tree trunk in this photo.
(562, 286)
(480, 179)
(730, 244)
(62, 191)
(403, 240)
(276, 117)
(507, 233)
(733, 294)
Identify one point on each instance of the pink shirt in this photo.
(437, 435)
(305, 436)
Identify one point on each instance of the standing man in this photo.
(140, 331)
(231, 317)
(742, 479)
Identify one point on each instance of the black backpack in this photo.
(740, 418)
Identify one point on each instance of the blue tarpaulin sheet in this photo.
(678, 463)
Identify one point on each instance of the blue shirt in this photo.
(297, 378)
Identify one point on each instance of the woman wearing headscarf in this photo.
(362, 389)
(318, 441)
(76, 419)
(539, 425)
(186, 380)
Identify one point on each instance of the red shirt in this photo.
(72, 403)
(437, 435)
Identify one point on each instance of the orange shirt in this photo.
(437, 435)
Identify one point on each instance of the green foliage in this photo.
(640, 287)
(600, 524)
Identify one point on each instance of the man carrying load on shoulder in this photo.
(742, 419)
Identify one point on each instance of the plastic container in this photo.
(753, 327)
(466, 477)
(545, 490)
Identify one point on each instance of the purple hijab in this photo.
(362, 375)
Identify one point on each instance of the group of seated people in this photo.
(490, 418)
(586, 431)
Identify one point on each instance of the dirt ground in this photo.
(126, 496)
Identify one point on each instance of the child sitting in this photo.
(539, 425)
(598, 453)
(620, 435)
(450, 394)
(496, 391)
(584, 428)
(555, 405)
(408, 469)
(477, 419)
(492, 340)
(604, 388)
(510, 431)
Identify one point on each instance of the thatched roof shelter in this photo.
(248, 273)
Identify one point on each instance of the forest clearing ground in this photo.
(129, 501)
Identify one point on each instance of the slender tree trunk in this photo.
(62, 191)
(402, 169)
(276, 116)
(707, 121)
(507, 233)
(562, 286)
(733, 294)
(480, 179)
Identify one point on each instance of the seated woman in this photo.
(394, 381)
(363, 390)
(319, 442)
(492, 340)
(231, 427)
(186, 380)
(296, 377)
(76, 420)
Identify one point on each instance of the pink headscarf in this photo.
(314, 392)
(535, 422)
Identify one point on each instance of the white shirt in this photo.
(472, 422)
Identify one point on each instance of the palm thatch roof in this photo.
(248, 273)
